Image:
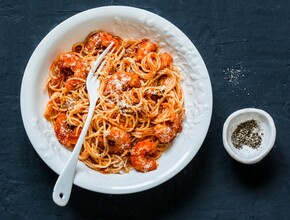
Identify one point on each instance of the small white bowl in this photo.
(248, 155)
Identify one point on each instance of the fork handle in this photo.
(63, 186)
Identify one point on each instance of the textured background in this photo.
(246, 47)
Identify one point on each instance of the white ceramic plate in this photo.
(124, 22)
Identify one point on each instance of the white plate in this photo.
(124, 22)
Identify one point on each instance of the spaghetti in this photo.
(140, 109)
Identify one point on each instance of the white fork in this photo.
(62, 189)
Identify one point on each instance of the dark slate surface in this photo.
(248, 41)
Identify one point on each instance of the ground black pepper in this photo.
(247, 133)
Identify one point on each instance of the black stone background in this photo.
(247, 39)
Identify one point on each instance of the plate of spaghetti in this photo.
(155, 100)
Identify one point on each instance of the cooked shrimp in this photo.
(121, 81)
(101, 39)
(65, 133)
(168, 131)
(166, 60)
(139, 156)
(70, 61)
(118, 140)
(144, 48)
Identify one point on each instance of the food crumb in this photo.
(232, 74)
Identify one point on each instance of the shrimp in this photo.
(101, 39)
(139, 156)
(70, 61)
(144, 48)
(121, 81)
(66, 134)
(118, 140)
(168, 131)
(166, 60)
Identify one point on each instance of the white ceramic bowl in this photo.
(124, 22)
(248, 155)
